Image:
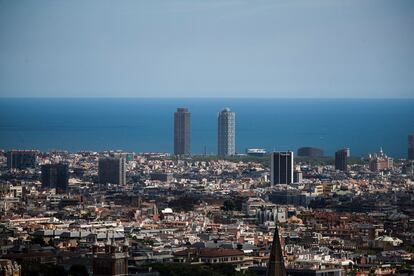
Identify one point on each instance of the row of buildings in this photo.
(112, 169)
(21, 159)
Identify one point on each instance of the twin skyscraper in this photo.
(226, 132)
(182, 132)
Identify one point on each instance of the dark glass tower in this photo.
(341, 160)
(111, 170)
(411, 147)
(21, 159)
(182, 132)
(226, 135)
(281, 167)
(55, 176)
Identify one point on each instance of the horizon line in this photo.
(206, 97)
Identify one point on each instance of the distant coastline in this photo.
(145, 124)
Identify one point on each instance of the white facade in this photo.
(226, 133)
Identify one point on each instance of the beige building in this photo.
(9, 268)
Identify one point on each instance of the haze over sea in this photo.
(144, 125)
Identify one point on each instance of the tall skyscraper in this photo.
(55, 176)
(341, 160)
(281, 167)
(226, 133)
(111, 170)
(182, 132)
(411, 147)
(21, 159)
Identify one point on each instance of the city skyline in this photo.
(186, 137)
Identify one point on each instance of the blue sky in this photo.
(194, 48)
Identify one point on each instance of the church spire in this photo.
(276, 265)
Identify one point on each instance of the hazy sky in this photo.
(194, 48)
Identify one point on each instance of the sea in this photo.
(146, 124)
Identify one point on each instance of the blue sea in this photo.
(144, 125)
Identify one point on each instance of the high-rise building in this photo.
(111, 170)
(411, 147)
(55, 176)
(281, 167)
(182, 132)
(21, 159)
(341, 160)
(226, 133)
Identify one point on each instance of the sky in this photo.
(207, 48)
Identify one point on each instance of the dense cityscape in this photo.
(206, 138)
(253, 213)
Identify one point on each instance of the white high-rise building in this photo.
(226, 133)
